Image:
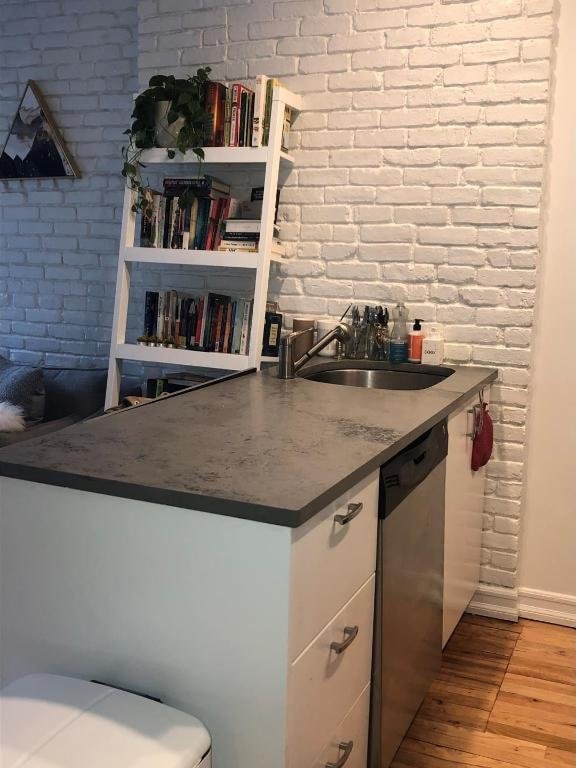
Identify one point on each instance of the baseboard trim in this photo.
(495, 602)
(552, 607)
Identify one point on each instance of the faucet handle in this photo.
(290, 337)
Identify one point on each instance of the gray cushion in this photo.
(21, 385)
(77, 391)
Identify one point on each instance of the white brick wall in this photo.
(419, 168)
(59, 238)
(418, 175)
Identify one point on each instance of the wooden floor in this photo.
(504, 698)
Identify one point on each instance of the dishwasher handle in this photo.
(416, 467)
(411, 466)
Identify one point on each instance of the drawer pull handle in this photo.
(346, 748)
(350, 634)
(353, 510)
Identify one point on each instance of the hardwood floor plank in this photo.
(553, 634)
(559, 758)
(468, 693)
(501, 640)
(438, 709)
(504, 748)
(542, 690)
(528, 666)
(484, 669)
(505, 697)
(485, 621)
(546, 652)
(453, 756)
(534, 707)
(543, 732)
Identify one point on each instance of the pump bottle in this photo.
(415, 339)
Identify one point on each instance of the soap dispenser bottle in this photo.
(415, 339)
(399, 335)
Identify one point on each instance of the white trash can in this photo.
(50, 721)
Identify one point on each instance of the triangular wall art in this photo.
(34, 148)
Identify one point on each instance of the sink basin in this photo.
(373, 375)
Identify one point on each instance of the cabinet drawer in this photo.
(330, 561)
(324, 684)
(354, 728)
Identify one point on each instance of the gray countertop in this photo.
(253, 447)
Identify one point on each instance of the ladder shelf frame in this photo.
(271, 157)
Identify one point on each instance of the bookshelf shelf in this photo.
(233, 259)
(185, 357)
(270, 158)
(217, 156)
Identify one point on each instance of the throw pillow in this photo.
(11, 418)
(20, 385)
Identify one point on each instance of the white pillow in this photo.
(11, 418)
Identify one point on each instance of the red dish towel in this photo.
(483, 437)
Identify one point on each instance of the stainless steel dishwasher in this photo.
(409, 586)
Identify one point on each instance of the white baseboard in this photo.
(495, 602)
(552, 607)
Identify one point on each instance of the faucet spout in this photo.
(288, 367)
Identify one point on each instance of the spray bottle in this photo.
(399, 335)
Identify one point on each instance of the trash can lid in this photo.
(50, 721)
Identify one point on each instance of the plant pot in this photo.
(166, 133)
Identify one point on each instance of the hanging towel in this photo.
(483, 436)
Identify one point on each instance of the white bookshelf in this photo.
(271, 158)
(229, 259)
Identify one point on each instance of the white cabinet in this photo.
(333, 563)
(234, 621)
(463, 521)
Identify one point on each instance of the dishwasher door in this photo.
(409, 586)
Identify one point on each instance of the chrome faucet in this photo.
(288, 367)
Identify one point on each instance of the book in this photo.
(190, 218)
(249, 119)
(242, 225)
(215, 106)
(199, 185)
(245, 332)
(234, 115)
(286, 125)
(159, 214)
(237, 332)
(150, 313)
(270, 83)
(258, 110)
(241, 236)
(166, 235)
(238, 114)
(227, 115)
(233, 245)
(272, 331)
(147, 221)
(215, 303)
(243, 117)
(160, 315)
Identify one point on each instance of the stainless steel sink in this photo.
(373, 375)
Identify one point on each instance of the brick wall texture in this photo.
(59, 238)
(419, 167)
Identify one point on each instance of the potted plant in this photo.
(169, 113)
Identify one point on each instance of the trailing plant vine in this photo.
(186, 98)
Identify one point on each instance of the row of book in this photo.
(240, 116)
(197, 213)
(213, 322)
(188, 213)
(244, 235)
